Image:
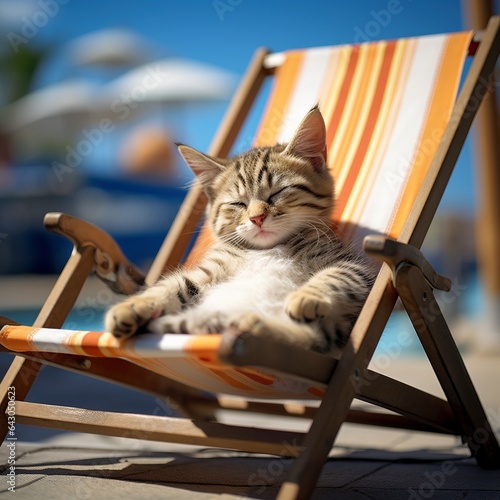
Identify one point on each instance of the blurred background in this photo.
(94, 94)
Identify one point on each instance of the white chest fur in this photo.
(261, 285)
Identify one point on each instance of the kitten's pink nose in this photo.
(258, 219)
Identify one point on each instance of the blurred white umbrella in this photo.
(169, 81)
(50, 118)
(70, 97)
(54, 116)
(109, 47)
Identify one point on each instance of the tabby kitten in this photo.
(277, 269)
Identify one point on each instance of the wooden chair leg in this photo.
(342, 388)
(20, 376)
(443, 354)
(22, 372)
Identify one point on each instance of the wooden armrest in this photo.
(4, 321)
(111, 266)
(396, 253)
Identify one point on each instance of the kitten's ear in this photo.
(309, 140)
(203, 166)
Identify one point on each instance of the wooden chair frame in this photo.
(405, 274)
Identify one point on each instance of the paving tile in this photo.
(426, 478)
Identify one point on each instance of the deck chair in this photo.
(395, 130)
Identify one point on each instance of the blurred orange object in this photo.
(148, 150)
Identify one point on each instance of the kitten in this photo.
(277, 268)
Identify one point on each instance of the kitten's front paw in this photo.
(125, 318)
(304, 305)
(250, 323)
(189, 323)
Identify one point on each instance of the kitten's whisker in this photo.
(232, 238)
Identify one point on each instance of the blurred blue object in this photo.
(137, 212)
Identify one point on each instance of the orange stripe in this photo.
(285, 81)
(231, 381)
(355, 113)
(374, 114)
(338, 65)
(204, 347)
(442, 104)
(355, 167)
(316, 391)
(259, 378)
(355, 208)
(18, 338)
(89, 344)
(332, 126)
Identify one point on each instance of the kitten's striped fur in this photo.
(277, 268)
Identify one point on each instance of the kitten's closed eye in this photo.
(270, 199)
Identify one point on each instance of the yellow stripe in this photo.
(347, 126)
(285, 81)
(109, 345)
(330, 92)
(74, 342)
(377, 55)
(381, 135)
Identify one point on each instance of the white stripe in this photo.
(307, 90)
(52, 340)
(401, 150)
(153, 345)
(148, 345)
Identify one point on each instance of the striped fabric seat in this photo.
(386, 105)
(190, 359)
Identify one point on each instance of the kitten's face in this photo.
(264, 196)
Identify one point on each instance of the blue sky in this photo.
(227, 32)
